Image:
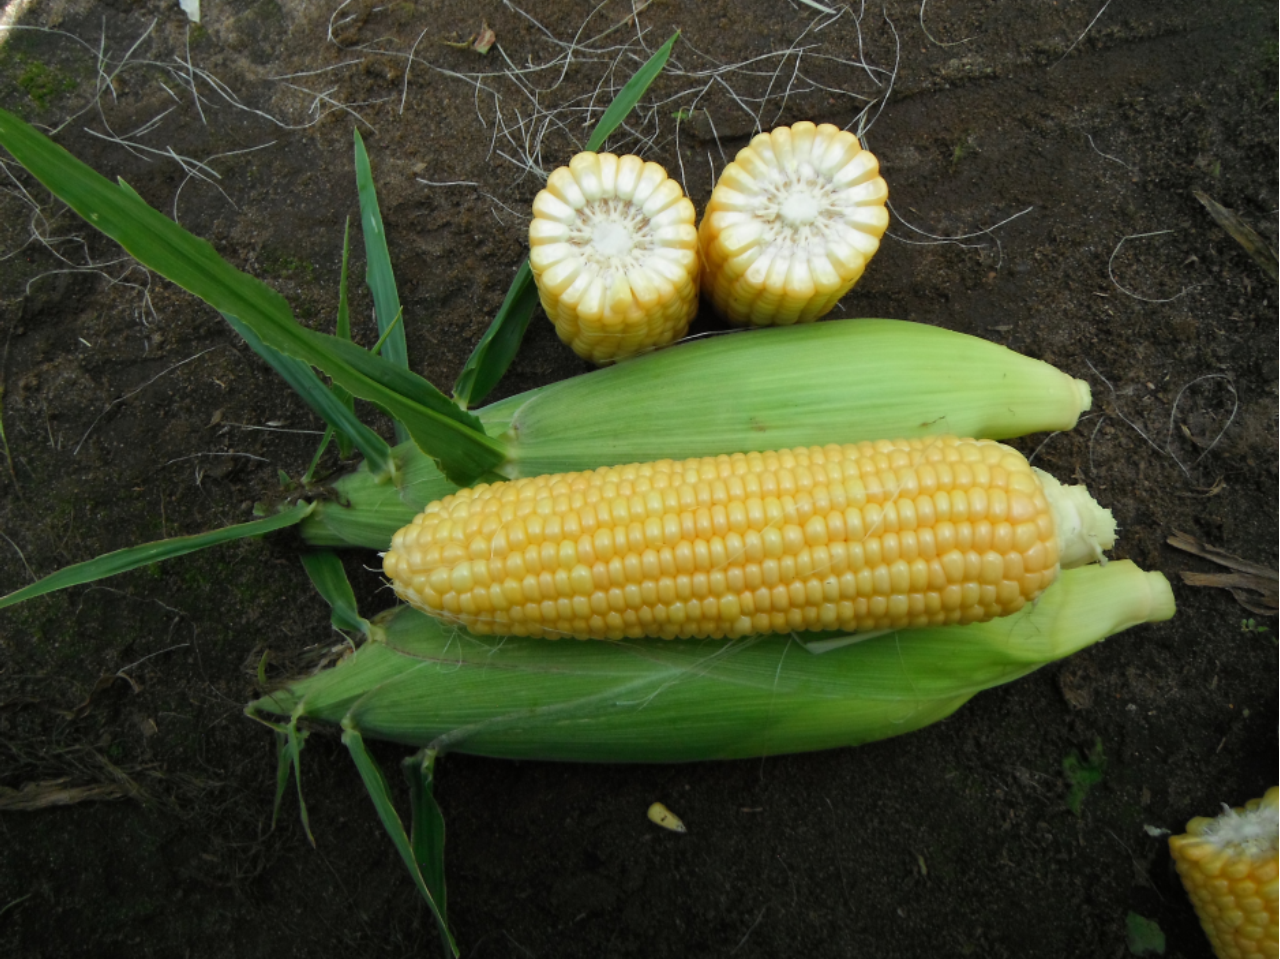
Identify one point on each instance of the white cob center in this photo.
(612, 239)
(799, 209)
(611, 234)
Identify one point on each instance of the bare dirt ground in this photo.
(1041, 158)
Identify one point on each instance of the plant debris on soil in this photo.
(1046, 166)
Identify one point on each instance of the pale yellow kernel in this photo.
(899, 576)
(599, 602)
(683, 553)
(951, 598)
(890, 548)
(1034, 558)
(1044, 525)
(899, 610)
(872, 551)
(952, 564)
(815, 531)
(581, 582)
(1025, 536)
(1022, 507)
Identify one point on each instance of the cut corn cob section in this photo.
(791, 225)
(878, 535)
(613, 250)
(1228, 865)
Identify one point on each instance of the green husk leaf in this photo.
(326, 404)
(330, 581)
(366, 512)
(500, 343)
(430, 684)
(380, 792)
(378, 272)
(436, 424)
(840, 381)
(123, 560)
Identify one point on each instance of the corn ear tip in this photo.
(1084, 392)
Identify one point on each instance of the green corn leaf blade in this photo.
(461, 447)
(330, 581)
(309, 476)
(284, 764)
(378, 272)
(427, 832)
(380, 792)
(434, 422)
(630, 94)
(297, 738)
(123, 560)
(323, 401)
(500, 343)
(343, 332)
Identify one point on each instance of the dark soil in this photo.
(1095, 122)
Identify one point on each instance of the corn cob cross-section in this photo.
(791, 225)
(1228, 865)
(870, 536)
(613, 249)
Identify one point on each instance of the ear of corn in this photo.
(425, 683)
(1228, 865)
(791, 225)
(613, 249)
(837, 382)
(882, 535)
(843, 381)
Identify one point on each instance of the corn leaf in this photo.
(427, 832)
(380, 792)
(434, 422)
(378, 272)
(630, 94)
(500, 343)
(343, 332)
(330, 581)
(324, 402)
(123, 560)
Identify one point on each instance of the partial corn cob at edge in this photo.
(883, 535)
(1228, 865)
(791, 225)
(613, 250)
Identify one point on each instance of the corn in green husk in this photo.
(842, 381)
(423, 683)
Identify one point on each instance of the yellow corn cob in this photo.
(869, 536)
(614, 252)
(791, 225)
(1228, 866)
